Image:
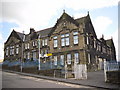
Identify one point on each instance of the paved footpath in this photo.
(95, 79)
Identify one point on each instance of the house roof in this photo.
(21, 35)
(109, 42)
(46, 32)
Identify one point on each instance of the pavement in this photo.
(95, 79)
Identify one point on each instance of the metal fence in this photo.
(111, 66)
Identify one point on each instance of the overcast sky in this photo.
(40, 14)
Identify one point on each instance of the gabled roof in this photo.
(67, 17)
(110, 42)
(15, 34)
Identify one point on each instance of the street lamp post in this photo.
(39, 51)
(22, 51)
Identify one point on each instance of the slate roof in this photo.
(21, 35)
(109, 42)
(44, 32)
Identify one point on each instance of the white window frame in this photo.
(69, 59)
(33, 43)
(76, 57)
(17, 49)
(43, 42)
(94, 43)
(12, 50)
(75, 39)
(62, 41)
(55, 43)
(87, 38)
(46, 41)
(55, 60)
(25, 45)
(62, 59)
(67, 41)
(28, 46)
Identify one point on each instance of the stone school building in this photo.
(70, 46)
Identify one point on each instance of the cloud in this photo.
(90, 4)
(101, 24)
(38, 13)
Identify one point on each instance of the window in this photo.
(7, 51)
(87, 39)
(103, 49)
(89, 58)
(33, 43)
(55, 60)
(28, 55)
(34, 55)
(55, 41)
(46, 41)
(55, 37)
(76, 56)
(75, 39)
(63, 42)
(67, 41)
(43, 42)
(69, 58)
(17, 49)
(62, 59)
(28, 46)
(94, 43)
(75, 33)
(10, 50)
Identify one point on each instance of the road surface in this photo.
(12, 80)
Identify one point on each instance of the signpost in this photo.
(39, 50)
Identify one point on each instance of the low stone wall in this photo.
(113, 76)
(34, 70)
